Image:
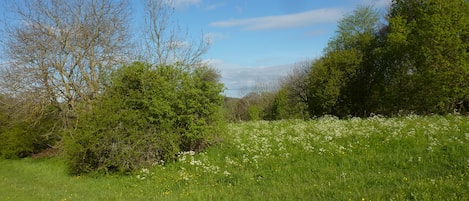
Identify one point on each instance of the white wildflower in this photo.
(226, 173)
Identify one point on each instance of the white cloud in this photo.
(307, 18)
(240, 80)
(213, 6)
(214, 36)
(183, 3)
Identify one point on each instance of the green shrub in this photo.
(21, 137)
(15, 142)
(148, 114)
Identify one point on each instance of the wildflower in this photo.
(184, 175)
(321, 150)
(430, 148)
(230, 161)
(195, 162)
(343, 175)
(226, 173)
(191, 153)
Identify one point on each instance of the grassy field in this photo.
(405, 158)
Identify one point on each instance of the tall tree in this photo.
(433, 40)
(340, 82)
(164, 41)
(63, 50)
(296, 82)
(355, 31)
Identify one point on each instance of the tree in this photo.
(25, 132)
(355, 31)
(165, 42)
(279, 108)
(63, 51)
(432, 37)
(293, 94)
(329, 78)
(248, 107)
(340, 82)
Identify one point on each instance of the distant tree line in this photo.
(413, 60)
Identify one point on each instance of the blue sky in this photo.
(255, 42)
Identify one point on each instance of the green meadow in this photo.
(376, 158)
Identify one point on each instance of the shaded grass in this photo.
(406, 158)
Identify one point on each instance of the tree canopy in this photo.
(417, 62)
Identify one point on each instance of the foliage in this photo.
(279, 109)
(329, 79)
(338, 81)
(377, 158)
(229, 108)
(21, 137)
(291, 100)
(432, 37)
(253, 106)
(59, 69)
(148, 114)
(416, 63)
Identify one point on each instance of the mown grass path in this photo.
(405, 158)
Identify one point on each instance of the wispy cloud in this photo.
(183, 3)
(307, 18)
(211, 37)
(213, 6)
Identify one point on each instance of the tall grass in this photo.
(405, 158)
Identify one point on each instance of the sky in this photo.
(256, 42)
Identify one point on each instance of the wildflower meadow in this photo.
(376, 158)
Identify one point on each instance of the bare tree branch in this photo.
(165, 42)
(64, 49)
(297, 81)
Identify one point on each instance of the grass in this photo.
(405, 158)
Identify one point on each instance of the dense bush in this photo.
(21, 137)
(148, 114)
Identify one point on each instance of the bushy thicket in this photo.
(22, 136)
(147, 115)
